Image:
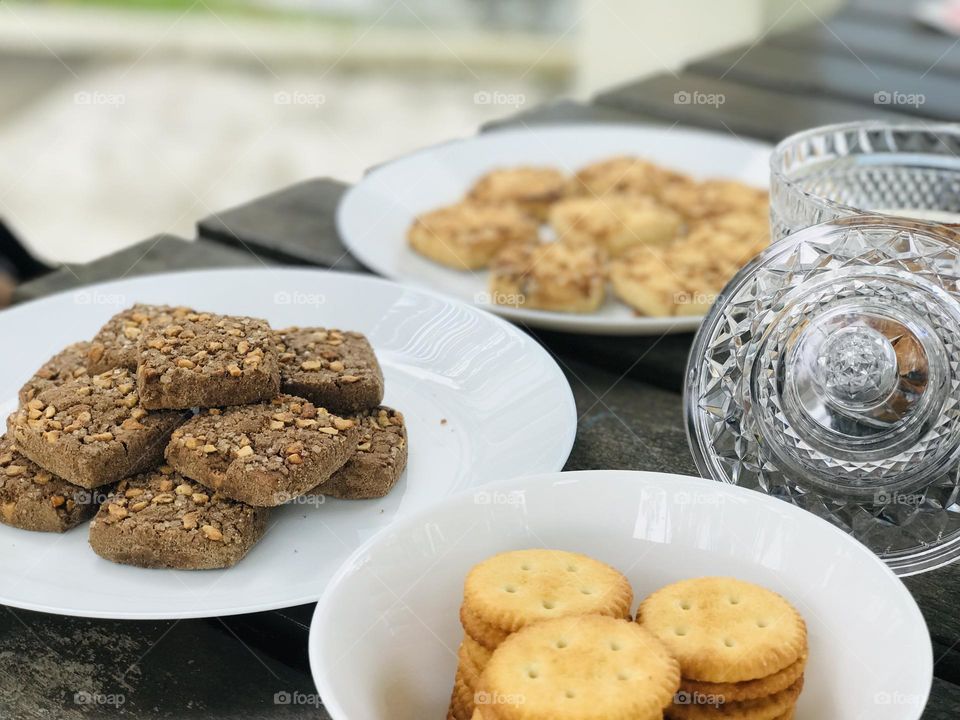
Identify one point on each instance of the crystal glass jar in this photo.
(827, 373)
(835, 171)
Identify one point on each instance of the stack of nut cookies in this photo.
(663, 243)
(178, 430)
(548, 636)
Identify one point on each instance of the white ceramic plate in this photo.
(374, 215)
(506, 405)
(384, 636)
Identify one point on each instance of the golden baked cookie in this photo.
(725, 630)
(614, 224)
(483, 634)
(625, 175)
(772, 707)
(749, 689)
(514, 589)
(531, 189)
(588, 667)
(698, 200)
(678, 280)
(467, 235)
(553, 276)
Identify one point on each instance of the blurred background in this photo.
(120, 119)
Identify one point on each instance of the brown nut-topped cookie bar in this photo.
(32, 498)
(68, 364)
(380, 460)
(115, 345)
(207, 360)
(263, 454)
(92, 430)
(334, 369)
(162, 520)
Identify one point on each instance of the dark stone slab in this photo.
(944, 701)
(817, 75)
(73, 668)
(566, 111)
(163, 253)
(861, 35)
(295, 225)
(746, 110)
(625, 424)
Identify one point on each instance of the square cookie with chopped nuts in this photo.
(92, 430)
(66, 365)
(115, 345)
(32, 498)
(554, 277)
(206, 360)
(380, 460)
(162, 520)
(334, 369)
(263, 454)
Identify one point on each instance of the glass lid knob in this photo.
(857, 367)
(828, 374)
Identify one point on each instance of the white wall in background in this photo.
(621, 40)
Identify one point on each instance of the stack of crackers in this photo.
(664, 243)
(180, 430)
(742, 649)
(548, 636)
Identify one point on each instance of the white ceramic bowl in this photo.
(385, 633)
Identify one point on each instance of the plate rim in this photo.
(541, 319)
(321, 612)
(565, 446)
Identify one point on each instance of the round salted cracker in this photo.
(480, 632)
(462, 699)
(477, 653)
(468, 669)
(513, 589)
(724, 630)
(749, 689)
(588, 667)
(773, 707)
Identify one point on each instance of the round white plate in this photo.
(384, 637)
(482, 401)
(374, 215)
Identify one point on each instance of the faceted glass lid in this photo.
(828, 374)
